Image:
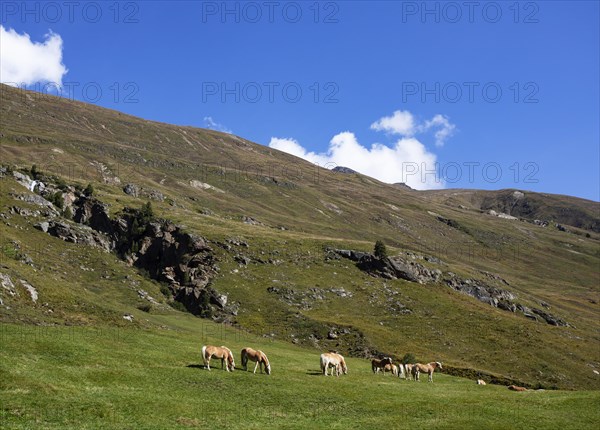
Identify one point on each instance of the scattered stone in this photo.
(128, 317)
(7, 284)
(204, 186)
(250, 220)
(132, 190)
(30, 289)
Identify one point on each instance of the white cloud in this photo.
(406, 161)
(210, 123)
(446, 129)
(24, 61)
(401, 122)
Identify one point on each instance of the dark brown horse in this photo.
(377, 364)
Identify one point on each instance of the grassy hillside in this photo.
(105, 377)
(288, 212)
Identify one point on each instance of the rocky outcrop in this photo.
(76, 233)
(342, 169)
(137, 191)
(90, 211)
(399, 267)
(391, 267)
(184, 261)
(499, 298)
(483, 292)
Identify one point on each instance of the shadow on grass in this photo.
(201, 366)
(195, 366)
(314, 373)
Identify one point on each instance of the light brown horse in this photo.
(408, 371)
(428, 368)
(257, 356)
(379, 364)
(390, 368)
(222, 352)
(334, 360)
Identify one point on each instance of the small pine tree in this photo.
(68, 213)
(34, 171)
(89, 190)
(380, 249)
(147, 212)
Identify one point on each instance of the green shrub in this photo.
(57, 199)
(68, 213)
(178, 306)
(165, 290)
(89, 190)
(408, 358)
(145, 308)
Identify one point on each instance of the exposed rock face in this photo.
(92, 212)
(499, 298)
(400, 268)
(182, 260)
(137, 191)
(342, 169)
(75, 234)
(483, 292)
(391, 267)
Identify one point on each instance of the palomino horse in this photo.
(428, 368)
(377, 364)
(334, 360)
(481, 382)
(257, 356)
(408, 371)
(390, 368)
(222, 352)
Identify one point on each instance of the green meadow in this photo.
(110, 377)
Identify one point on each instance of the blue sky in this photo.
(378, 80)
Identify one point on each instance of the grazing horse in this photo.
(222, 352)
(259, 357)
(334, 360)
(481, 382)
(428, 368)
(408, 371)
(377, 364)
(390, 368)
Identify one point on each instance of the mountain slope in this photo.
(288, 212)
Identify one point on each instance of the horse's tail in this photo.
(244, 358)
(204, 354)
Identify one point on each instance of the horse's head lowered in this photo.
(438, 364)
(230, 361)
